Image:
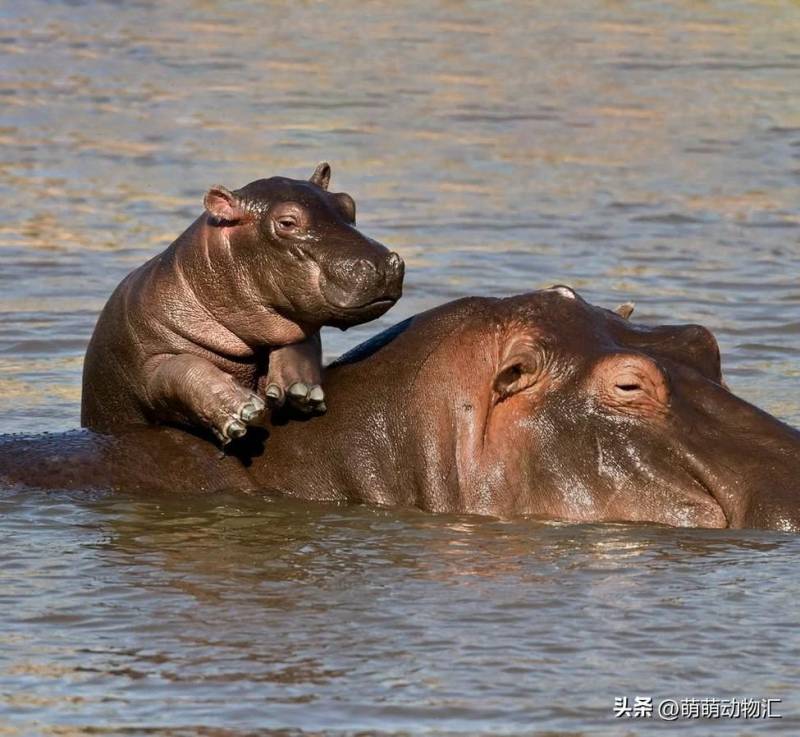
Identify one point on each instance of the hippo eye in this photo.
(287, 222)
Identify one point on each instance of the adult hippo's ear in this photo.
(625, 310)
(223, 205)
(519, 371)
(322, 175)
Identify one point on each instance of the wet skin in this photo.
(540, 405)
(225, 322)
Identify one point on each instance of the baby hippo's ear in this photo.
(322, 175)
(223, 205)
(347, 205)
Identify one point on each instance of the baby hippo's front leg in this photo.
(193, 391)
(295, 373)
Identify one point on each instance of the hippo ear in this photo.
(347, 205)
(322, 175)
(625, 310)
(516, 374)
(223, 205)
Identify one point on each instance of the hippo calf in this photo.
(195, 336)
(537, 405)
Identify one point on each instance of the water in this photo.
(636, 151)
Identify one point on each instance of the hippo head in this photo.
(545, 405)
(295, 246)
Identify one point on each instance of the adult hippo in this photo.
(539, 404)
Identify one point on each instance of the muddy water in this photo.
(636, 151)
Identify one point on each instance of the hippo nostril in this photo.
(393, 274)
(394, 261)
(629, 387)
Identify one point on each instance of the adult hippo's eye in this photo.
(631, 383)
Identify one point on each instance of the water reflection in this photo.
(223, 606)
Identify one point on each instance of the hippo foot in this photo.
(307, 398)
(294, 377)
(233, 425)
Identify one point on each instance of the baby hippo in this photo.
(226, 320)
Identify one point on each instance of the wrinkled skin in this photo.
(226, 320)
(538, 405)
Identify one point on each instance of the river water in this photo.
(641, 151)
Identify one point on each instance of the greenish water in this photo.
(637, 151)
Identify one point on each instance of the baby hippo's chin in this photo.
(345, 317)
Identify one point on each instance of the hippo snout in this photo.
(363, 287)
(393, 274)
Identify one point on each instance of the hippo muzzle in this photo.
(361, 289)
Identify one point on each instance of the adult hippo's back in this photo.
(539, 404)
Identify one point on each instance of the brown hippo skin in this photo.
(540, 405)
(226, 319)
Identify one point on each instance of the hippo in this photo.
(538, 405)
(226, 320)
